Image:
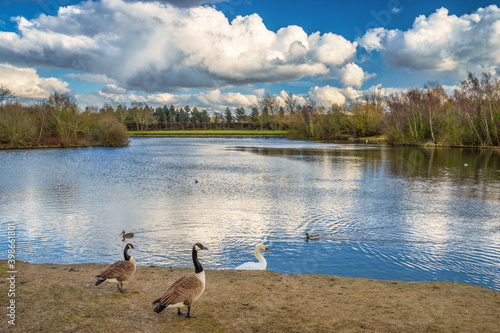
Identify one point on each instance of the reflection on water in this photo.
(400, 213)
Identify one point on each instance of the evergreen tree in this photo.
(229, 117)
(171, 116)
(255, 117)
(240, 115)
(183, 117)
(160, 117)
(205, 118)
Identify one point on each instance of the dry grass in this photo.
(63, 298)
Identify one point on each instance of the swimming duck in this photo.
(312, 237)
(125, 235)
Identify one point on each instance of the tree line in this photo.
(56, 121)
(469, 117)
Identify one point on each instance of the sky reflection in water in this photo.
(383, 212)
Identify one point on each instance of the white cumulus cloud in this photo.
(442, 42)
(156, 47)
(26, 83)
(353, 75)
(326, 96)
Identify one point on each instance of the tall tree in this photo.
(240, 115)
(265, 118)
(229, 117)
(187, 109)
(196, 117)
(171, 116)
(160, 117)
(205, 118)
(183, 117)
(291, 102)
(255, 117)
(270, 103)
(64, 116)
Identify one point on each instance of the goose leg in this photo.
(185, 314)
(121, 289)
(189, 310)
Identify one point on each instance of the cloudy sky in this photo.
(227, 53)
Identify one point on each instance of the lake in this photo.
(394, 213)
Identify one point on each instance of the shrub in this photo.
(17, 126)
(109, 132)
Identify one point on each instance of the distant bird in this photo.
(130, 234)
(312, 237)
(261, 265)
(119, 271)
(196, 181)
(186, 289)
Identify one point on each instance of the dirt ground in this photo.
(63, 298)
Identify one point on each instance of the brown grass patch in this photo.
(63, 298)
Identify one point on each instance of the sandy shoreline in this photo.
(63, 298)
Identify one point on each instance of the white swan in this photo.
(261, 265)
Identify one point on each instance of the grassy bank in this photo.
(208, 133)
(63, 298)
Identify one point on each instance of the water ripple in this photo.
(382, 212)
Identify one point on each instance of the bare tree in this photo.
(270, 103)
(5, 93)
(291, 102)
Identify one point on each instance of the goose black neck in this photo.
(125, 254)
(197, 265)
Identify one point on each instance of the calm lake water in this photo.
(395, 213)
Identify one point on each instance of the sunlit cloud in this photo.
(442, 42)
(326, 96)
(26, 83)
(156, 47)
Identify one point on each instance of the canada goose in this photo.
(119, 271)
(130, 234)
(261, 265)
(186, 289)
(312, 237)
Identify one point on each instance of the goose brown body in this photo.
(120, 271)
(186, 289)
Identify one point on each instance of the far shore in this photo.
(232, 133)
(210, 133)
(63, 298)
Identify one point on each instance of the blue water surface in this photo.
(394, 213)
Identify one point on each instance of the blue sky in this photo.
(219, 54)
